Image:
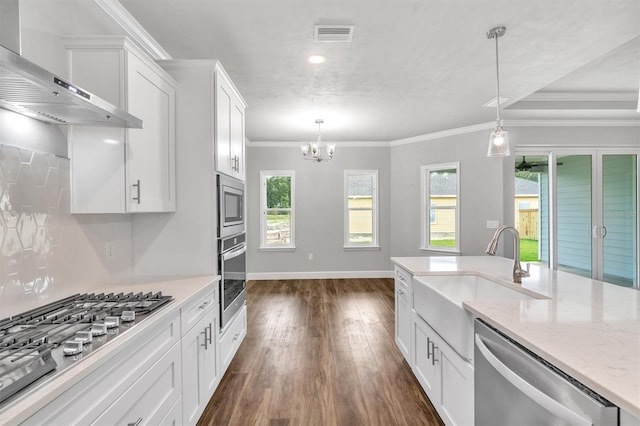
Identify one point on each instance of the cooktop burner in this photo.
(52, 337)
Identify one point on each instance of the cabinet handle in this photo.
(433, 353)
(137, 422)
(429, 342)
(205, 338)
(137, 185)
(210, 334)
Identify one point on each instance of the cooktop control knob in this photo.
(112, 322)
(72, 347)
(84, 336)
(128, 316)
(98, 329)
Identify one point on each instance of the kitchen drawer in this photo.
(174, 417)
(89, 398)
(232, 337)
(196, 308)
(150, 398)
(404, 280)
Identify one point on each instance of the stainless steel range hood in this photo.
(31, 90)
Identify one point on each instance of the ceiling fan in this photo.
(525, 166)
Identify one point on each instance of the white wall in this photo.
(481, 191)
(319, 210)
(487, 184)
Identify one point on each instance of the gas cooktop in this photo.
(48, 339)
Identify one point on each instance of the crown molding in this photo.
(580, 96)
(132, 27)
(445, 133)
(345, 144)
(575, 122)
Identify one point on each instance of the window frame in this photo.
(374, 211)
(264, 175)
(425, 207)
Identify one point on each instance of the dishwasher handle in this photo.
(540, 398)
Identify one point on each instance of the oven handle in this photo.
(529, 390)
(234, 253)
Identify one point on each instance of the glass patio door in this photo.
(586, 211)
(617, 233)
(574, 243)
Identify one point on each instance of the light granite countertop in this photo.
(587, 328)
(37, 397)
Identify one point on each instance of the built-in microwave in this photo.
(230, 206)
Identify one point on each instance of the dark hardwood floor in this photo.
(320, 352)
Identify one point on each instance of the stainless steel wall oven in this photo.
(233, 282)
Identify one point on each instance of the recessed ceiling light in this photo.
(316, 59)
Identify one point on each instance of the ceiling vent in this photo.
(333, 33)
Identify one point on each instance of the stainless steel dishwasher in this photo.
(514, 386)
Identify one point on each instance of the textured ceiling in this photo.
(414, 66)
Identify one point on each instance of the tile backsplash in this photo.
(46, 252)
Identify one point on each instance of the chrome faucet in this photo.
(518, 272)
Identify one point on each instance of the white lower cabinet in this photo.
(446, 378)
(201, 365)
(232, 337)
(141, 381)
(404, 302)
(150, 399)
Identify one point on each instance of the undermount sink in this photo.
(438, 300)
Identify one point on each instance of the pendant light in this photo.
(312, 150)
(499, 139)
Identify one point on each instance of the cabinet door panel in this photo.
(456, 389)
(151, 149)
(424, 368)
(237, 140)
(403, 323)
(201, 372)
(224, 97)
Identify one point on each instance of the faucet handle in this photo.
(524, 273)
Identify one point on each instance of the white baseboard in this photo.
(317, 275)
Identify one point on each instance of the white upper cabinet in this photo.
(214, 101)
(229, 125)
(122, 170)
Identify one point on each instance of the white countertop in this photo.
(180, 289)
(587, 328)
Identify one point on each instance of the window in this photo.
(361, 208)
(440, 215)
(277, 201)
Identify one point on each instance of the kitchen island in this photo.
(587, 328)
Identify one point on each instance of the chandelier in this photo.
(312, 150)
(499, 139)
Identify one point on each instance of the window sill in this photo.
(283, 248)
(374, 248)
(443, 251)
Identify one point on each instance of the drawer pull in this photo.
(137, 422)
(204, 305)
(235, 337)
(400, 291)
(401, 278)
